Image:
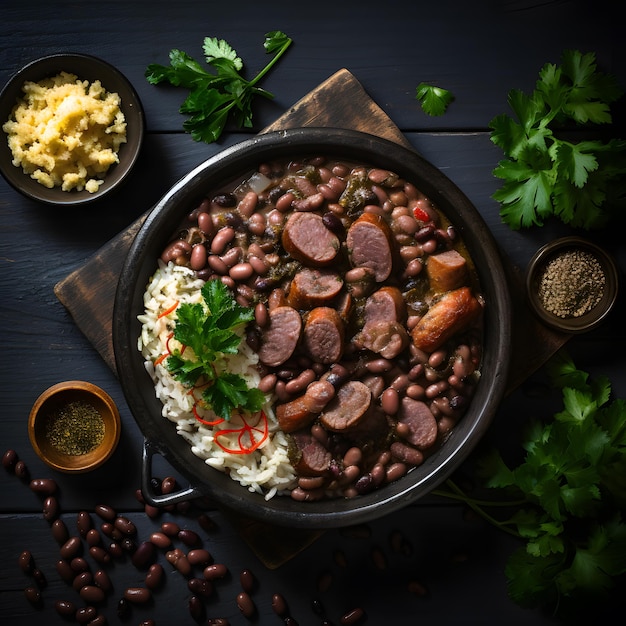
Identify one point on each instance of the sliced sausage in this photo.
(308, 455)
(447, 270)
(455, 311)
(348, 407)
(323, 335)
(385, 337)
(294, 415)
(385, 304)
(313, 287)
(306, 239)
(420, 421)
(280, 337)
(370, 245)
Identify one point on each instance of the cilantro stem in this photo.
(457, 493)
(271, 64)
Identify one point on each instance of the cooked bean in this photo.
(222, 238)
(232, 257)
(353, 456)
(138, 595)
(432, 391)
(71, 548)
(92, 594)
(430, 246)
(50, 508)
(378, 366)
(26, 562)
(378, 474)
(43, 486)
(248, 204)
(257, 224)
(300, 383)
(394, 471)
(246, 604)
(349, 474)
(390, 401)
(205, 223)
(406, 454)
(83, 523)
(65, 608)
(416, 392)
(413, 267)
(198, 258)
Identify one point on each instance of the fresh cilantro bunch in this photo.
(434, 100)
(568, 497)
(545, 175)
(214, 96)
(209, 329)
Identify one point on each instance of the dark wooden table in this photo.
(477, 50)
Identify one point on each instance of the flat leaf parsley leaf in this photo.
(434, 100)
(568, 498)
(213, 97)
(208, 332)
(580, 183)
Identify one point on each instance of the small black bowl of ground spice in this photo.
(74, 426)
(572, 284)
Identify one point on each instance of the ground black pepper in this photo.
(76, 428)
(571, 284)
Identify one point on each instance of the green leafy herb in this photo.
(568, 497)
(580, 183)
(213, 97)
(434, 100)
(209, 330)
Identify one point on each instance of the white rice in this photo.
(266, 470)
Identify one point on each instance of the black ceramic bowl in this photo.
(89, 68)
(141, 262)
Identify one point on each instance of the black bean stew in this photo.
(368, 313)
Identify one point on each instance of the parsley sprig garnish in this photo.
(209, 329)
(434, 100)
(213, 97)
(544, 175)
(568, 497)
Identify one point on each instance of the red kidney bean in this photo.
(26, 562)
(65, 571)
(352, 617)
(279, 605)
(171, 529)
(247, 580)
(50, 509)
(92, 537)
(445, 425)
(179, 560)
(124, 525)
(432, 391)
(78, 564)
(110, 531)
(100, 555)
(43, 486)
(155, 576)
(257, 224)
(309, 483)
(267, 383)
(128, 544)
(246, 604)
(378, 474)
(9, 460)
(40, 578)
(71, 548)
(406, 454)
(200, 586)
(198, 258)
(83, 523)
(144, 555)
(394, 471)
(283, 204)
(248, 203)
(160, 540)
(199, 556)
(261, 315)
(217, 265)
(115, 550)
(221, 239)
(86, 614)
(349, 474)
(102, 580)
(22, 471)
(205, 223)
(65, 608)
(300, 383)
(196, 608)
(33, 595)
(189, 537)
(353, 456)
(390, 401)
(92, 594)
(416, 392)
(215, 571)
(123, 608)
(413, 268)
(59, 531)
(137, 595)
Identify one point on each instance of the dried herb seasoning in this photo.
(76, 428)
(571, 284)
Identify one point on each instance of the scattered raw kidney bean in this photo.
(33, 596)
(137, 595)
(86, 614)
(59, 531)
(40, 578)
(200, 586)
(100, 555)
(199, 556)
(189, 537)
(92, 537)
(26, 562)
(50, 509)
(83, 523)
(124, 525)
(171, 529)
(279, 605)
(81, 580)
(92, 594)
(65, 571)
(9, 460)
(196, 608)
(160, 540)
(352, 617)
(65, 608)
(144, 555)
(101, 578)
(71, 548)
(106, 512)
(246, 604)
(215, 571)
(155, 575)
(246, 578)
(43, 486)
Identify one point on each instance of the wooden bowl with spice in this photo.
(74, 426)
(572, 284)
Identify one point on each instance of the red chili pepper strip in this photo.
(245, 430)
(214, 422)
(168, 311)
(167, 350)
(420, 214)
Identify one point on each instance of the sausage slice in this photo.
(308, 455)
(447, 270)
(323, 336)
(421, 422)
(348, 407)
(313, 287)
(455, 311)
(280, 337)
(306, 239)
(385, 304)
(370, 244)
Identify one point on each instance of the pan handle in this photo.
(149, 495)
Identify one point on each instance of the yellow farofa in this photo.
(65, 132)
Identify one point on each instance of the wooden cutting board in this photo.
(89, 292)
